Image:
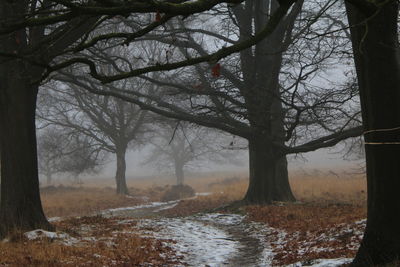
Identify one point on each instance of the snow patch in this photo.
(42, 234)
(224, 219)
(207, 240)
(198, 243)
(143, 206)
(166, 207)
(322, 263)
(54, 219)
(202, 194)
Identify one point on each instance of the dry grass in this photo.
(80, 201)
(200, 204)
(312, 231)
(314, 186)
(327, 200)
(126, 252)
(330, 194)
(307, 217)
(322, 189)
(351, 190)
(107, 243)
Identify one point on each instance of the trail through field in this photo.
(210, 239)
(213, 239)
(206, 239)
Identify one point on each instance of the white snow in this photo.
(323, 263)
(224, 219)
(59, 236)
(204, 194)
(166, 207)
(207, 240)
(202, 241)
(162, 205)
(200, 244)
(349, 235)
(54, 219)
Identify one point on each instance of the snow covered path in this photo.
(211, 239)
(214, 239)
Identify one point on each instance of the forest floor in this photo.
(97, 228)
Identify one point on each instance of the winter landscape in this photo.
(199, 133)
(97, 228)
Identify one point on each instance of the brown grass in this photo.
(200, 204)
(308, 217)
(112, 247)
(321, 230)
(319, 189)
(83, 201)
(328, 193)
(327, 200)
(350, 190)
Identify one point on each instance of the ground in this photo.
(95, 227)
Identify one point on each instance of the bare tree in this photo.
(20, 200)
(62, 152)
(33, 34)
(268, 95)
(113, 124)
(180, 145)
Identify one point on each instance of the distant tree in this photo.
(180, 145)
(60, 151)
(111, 124)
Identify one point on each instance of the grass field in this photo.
(98, 195)
(326, 201)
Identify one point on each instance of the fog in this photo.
(330, 159)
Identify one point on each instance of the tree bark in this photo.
(120, 176)
(261, 69)
(377, 57)
(21, 207)
(269, 179)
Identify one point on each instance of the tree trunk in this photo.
(179, 173)
(268, 171)
(21, 207)
(120, 178)
(377, 58)
(269, 179)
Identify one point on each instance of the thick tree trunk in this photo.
(377, 59)
(120, 178)
(20, 199)
(179, 173)
(268, 171)
(268, 175)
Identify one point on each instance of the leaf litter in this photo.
(208, 239)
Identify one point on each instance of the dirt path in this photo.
(142, 211)
(209, 239)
